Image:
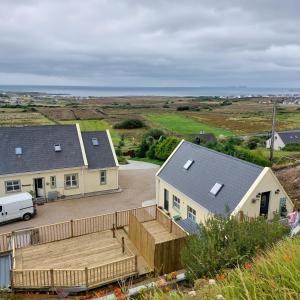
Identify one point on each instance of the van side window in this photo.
(0, 208)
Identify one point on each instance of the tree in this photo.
(165, 148)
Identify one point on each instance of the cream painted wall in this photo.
(201, 213)
(267, 182)
(278, 143)
(89, 181)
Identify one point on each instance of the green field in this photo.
(184, 125)
(95, 125)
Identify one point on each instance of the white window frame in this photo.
(74, 181)
(103, 177)
(53, 182)
(191, 213)
(13, 184)
(176, 202)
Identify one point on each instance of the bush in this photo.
(252, 143)
(182, 108)
(292, 147)
(165, 148)
(130, 124)
(155, 133)
(226, 243)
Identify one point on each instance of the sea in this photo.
(103, 91)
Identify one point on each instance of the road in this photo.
(137, 182)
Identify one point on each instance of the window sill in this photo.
(71, 187)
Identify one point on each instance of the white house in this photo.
(281, 139)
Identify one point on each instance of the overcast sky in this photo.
(150, 43)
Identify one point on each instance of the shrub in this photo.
(182, 108)
(165, 148)
(292, 147)
(226, 243)
(155, 133)
(130, 124)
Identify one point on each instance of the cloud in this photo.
(158, 42)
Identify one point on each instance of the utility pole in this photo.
(273, 129)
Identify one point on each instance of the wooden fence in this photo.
(164, 257)
(142, 239)
(82, 278)
(73, 228)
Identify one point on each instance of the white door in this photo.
(39, 182)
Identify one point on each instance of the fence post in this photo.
(72, 229)
(86, 276)
(12, 280)
(116, 219)
(52, 278)
(135, 263)
(123, 245)
(114, 231)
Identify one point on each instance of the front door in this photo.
(264, 204)
(39, 187)
(166, 199)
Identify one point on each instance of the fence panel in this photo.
(111, 271)
(164, 220)
(54, 232)
(142, 239)
(5, 244)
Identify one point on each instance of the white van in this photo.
(16, 206)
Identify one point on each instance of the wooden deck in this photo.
(76, 253)
(159, 232)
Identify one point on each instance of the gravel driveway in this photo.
(137, 183)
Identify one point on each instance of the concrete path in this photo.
(138, 165)
(138, 185)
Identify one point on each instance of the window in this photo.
(216, 189)
(13, 186)
(166, 199)
(282, 207)
(191, 214)
(188, 164)
(18, 151)
(103, 177)
(95, 142)
(53, 182)
(57, 147)
(71, 181)
(0, 208)
(176, 202)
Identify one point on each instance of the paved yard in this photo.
(138, 185)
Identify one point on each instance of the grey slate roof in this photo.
(189, 226)
(210, 167)
(292, 136)
(37, 144)
(98, 156)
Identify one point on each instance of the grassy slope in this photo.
(94, 125)
(184, 125)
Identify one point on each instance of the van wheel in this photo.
(27, 217)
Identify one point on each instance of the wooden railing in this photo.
(73, 228)
(84, 278)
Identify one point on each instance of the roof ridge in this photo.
(225, 155)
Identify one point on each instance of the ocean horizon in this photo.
(94, 91)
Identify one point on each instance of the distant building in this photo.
(56, 161)
(281, 139)
(196, 183)
(203, 138)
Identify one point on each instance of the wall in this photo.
(201, 213)
(89, 181)
(267, 182)
(278, 143)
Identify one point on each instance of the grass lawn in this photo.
(184, 125)
(95, 125)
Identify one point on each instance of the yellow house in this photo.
(196, 182)
(56, 161)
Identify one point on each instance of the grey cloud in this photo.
(158, 42)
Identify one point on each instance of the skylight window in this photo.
(18, 151)
(57, 147)
(216, 189)
(95, 142)
(188, 164)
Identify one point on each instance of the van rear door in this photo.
(3, 213)
(12, 210)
